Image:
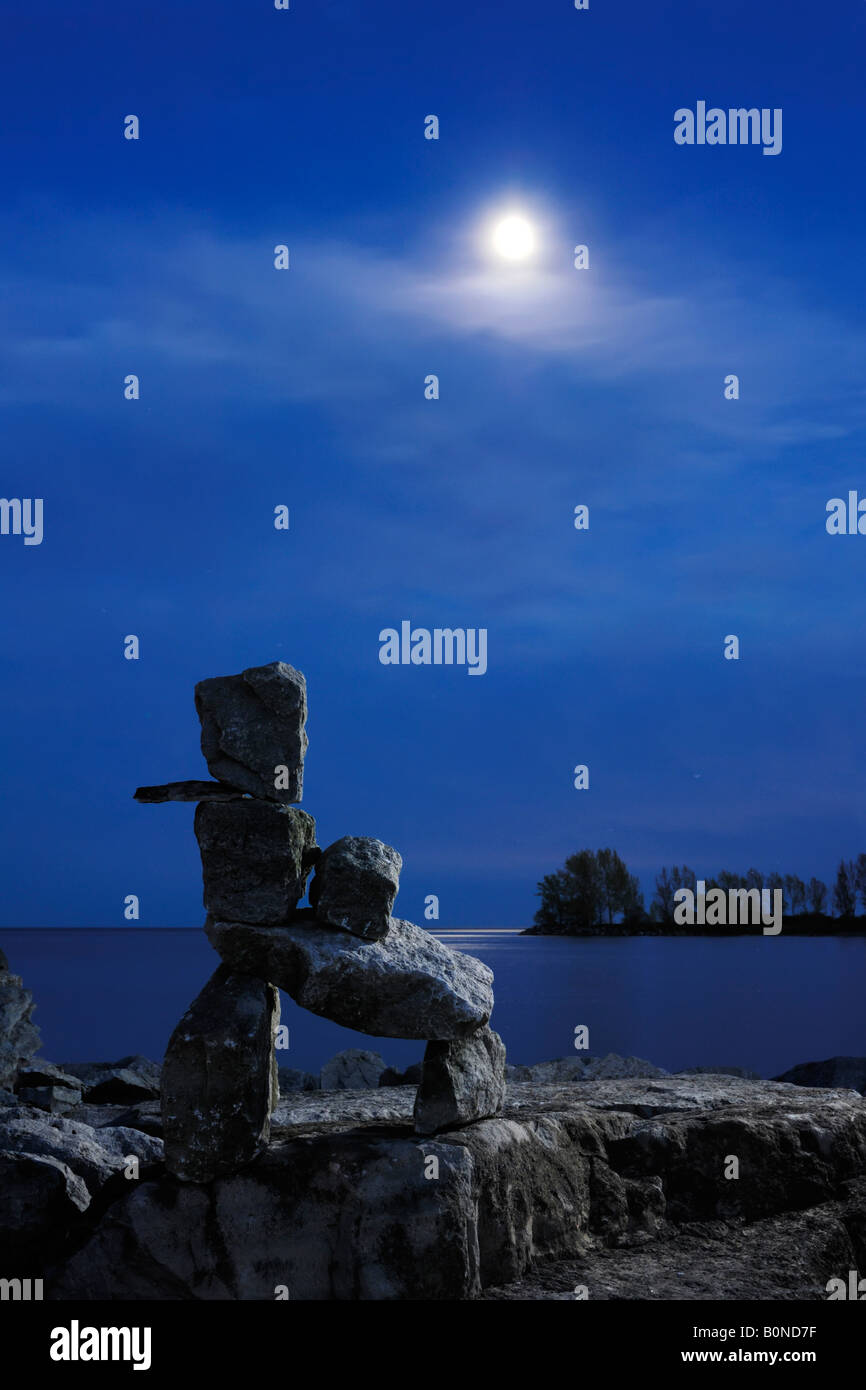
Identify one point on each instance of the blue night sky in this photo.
(558, 387)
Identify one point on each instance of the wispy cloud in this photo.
(602, 385)
(342, 322)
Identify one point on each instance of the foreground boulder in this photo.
(348, 1203)
(219, 1079)
(790, 1154)
(461, 1081)
(251, 726)
(786, 1258)
(19, 1038)
(355, 884)
(94, 1156)
(347, 1215)
(50, 1170)
(255, 858)
(847, 1072)
(407, 985)
(41, 1202)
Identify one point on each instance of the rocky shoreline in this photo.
(601, 1178)
(218, 1175)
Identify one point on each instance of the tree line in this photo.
(594, 893)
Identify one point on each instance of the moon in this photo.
(514, 237)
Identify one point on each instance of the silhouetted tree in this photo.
(591, 888)
(662, 905)
(860, 878)
(816, 894)
(775, 883)
(620, 890)
(635, 914)
(587, 889)
(594, 888)
(684, 878)
(844, 891)
(795, 890)
(555, 912)
(728, 881)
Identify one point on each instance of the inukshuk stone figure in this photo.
(344, 957)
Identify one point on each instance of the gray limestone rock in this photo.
(123, 1082)
(293, 1079)
(352, 1070)
(48, 1088)
(848, 1072)
(93, 1155)
(321, 1111)
(255, 859)
(559, 1071)
(745, 1072)
(792, 1150)
(392, 1076)
(341, 1207)
(252, 724)
(461, 1081)
(19, 1038)
(41, 1200)
(40, 1072)
(407, 985)
(786, 1259)
(57, 1100)
(145, 1116)
(611, 1067)
(219, 1080)
(355, 884)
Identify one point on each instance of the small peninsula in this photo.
(594, 894)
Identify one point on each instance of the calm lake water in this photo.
(760, 1002)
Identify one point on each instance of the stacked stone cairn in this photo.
(344, 957)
